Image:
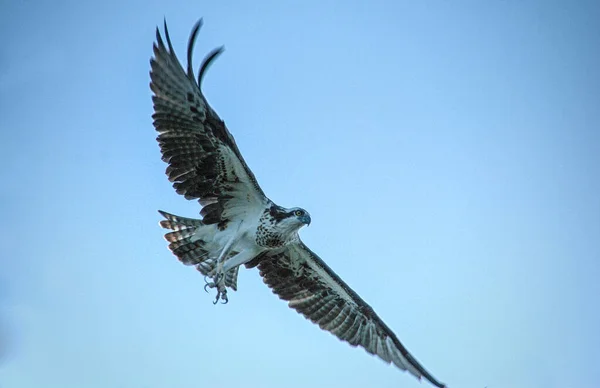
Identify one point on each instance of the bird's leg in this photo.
(218, 275)
(218, 283)
(241, 258)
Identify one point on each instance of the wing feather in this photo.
(299, 276)
(204, 162)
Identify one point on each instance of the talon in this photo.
(218, 283)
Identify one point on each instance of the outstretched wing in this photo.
(299, 276)
(204, 160)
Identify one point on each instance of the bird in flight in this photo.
(240, 225)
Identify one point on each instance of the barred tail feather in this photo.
(192, 251)
(180, 240)
(176, 222)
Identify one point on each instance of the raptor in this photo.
(240, 225)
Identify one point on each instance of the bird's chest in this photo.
(268, 235)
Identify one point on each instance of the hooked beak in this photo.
(305, 219)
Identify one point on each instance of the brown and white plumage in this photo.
(239, 224)
(204, 160)
(296, 274)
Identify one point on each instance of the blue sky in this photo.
(448, 153)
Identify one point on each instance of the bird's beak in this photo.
(306, 220)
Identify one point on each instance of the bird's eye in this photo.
(298, 213)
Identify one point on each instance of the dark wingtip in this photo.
(167, 37)
(423, 371)
(191, 42)
(207, 62)
(159, 40)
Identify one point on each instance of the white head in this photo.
(289, 220)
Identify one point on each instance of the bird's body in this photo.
(240, 225)
(219, 251)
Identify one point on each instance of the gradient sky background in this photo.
(449, 154)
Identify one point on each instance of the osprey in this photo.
(240, 225)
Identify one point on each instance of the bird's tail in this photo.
(189, 248)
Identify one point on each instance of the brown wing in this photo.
(204, 160)
(299, 276)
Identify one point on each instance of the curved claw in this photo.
(208, 284)
(219, 285)
(221, 295)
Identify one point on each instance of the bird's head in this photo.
(290, 219)
(300, 215)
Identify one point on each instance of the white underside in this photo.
(231, 247)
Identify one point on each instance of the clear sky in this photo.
(448, 152)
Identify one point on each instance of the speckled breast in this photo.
(267, 234)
